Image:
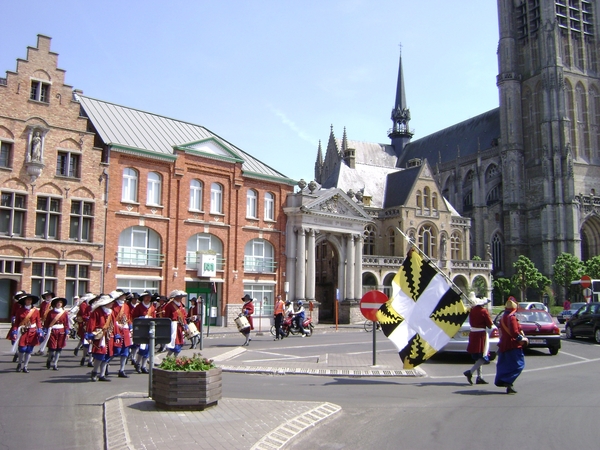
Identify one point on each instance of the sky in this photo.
(272, 76)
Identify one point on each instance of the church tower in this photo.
(400, 133)
(549, 92)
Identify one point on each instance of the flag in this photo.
(423, 313)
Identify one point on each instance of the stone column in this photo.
(358, 248)
(290, 265)
(301, 264)
(310, 266)
(349, 267)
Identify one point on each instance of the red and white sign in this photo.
(370, 304)
(587, 293)
(585, 281)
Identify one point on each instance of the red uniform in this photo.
(177, 314)
(58, 328)
(44, 309)
(98, 320)
(13, 312)
(83, 315)
(30, 324)
(193, 315)
(142, 310)
(480, 319)
(248, 309)
(509, 330)
(122, 320)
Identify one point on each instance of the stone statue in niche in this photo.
(36, 147)
(443, 248)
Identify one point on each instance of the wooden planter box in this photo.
(186, 391)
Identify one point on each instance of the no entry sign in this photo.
(586, 281)
(370, 304)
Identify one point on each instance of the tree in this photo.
(504, 286)
(480, 287)
(567, 268)
(526, 276)
(592, 267)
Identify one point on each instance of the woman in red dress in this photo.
(57, 327)
(29, 329)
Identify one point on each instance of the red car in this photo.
(539, 327)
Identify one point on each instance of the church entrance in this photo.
(590, 238)
(326, 279)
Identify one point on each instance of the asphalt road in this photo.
(556, 406)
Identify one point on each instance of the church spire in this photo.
(400, 133)
(319, 164)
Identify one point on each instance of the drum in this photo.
(192, 330)
(242, 323)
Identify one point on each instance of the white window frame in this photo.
(130, 185)
(203, 243)
(72, 166)
(42, 91)
(139, 246)
(81, 223)
(269, 206)
(153, 189)
(49, 219)
(216, 198)
(252, 204)
(196, 188)
(259, 256)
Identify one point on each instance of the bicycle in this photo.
(369, 326)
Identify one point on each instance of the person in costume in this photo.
(56, 328)
(83, 315)
(100, 333)
(511, 360)
(122, 329)
(45, 307)
(29, 329)
(145, 309)
(175, 310)
(247, 311)
(12, 331)
(132, 301)
(193, 316)
(278, 315)
(161, 303)
(479, 344)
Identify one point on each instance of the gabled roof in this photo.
(335, 203)
(466, 137)
(120, 126)
(399, 185)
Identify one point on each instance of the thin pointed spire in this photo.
(400, 95)
(344, 142)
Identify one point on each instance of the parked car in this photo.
(566, 314)
(539, 327)
(585, 322)
(458, 343)
(533, 305)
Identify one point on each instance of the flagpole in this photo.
(428, 259)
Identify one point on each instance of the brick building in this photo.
(52, 210)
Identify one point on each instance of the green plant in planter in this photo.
(186, 364)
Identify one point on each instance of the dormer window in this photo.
(40, 91)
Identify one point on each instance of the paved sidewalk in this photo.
(133, 422)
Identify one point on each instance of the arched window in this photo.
(434, 201)
(427, 242)
(419, 199)
(259, 256)
(251, 204)
(269, 206)
(455, 246)
(426, 194)
(497, 253)
(494, 195)
(130, 184)
(369, 244)
(139, 246)
(203, 243)
(154, 188)
(216, 198)
(196, 195)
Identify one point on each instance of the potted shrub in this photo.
(185, 383)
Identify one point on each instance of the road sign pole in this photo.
(151, 335)
(375, 343)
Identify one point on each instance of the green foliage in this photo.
(592, 268)
(567, 268)
(503, 288)
(476, 258)
(184, 363)
(480, 287)
(526, 276)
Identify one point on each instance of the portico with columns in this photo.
(319, 219)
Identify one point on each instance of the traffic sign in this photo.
(370, 304)
(585, 281)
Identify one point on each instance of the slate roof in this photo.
(372, 153)
(135, 129)
(476, 133)
(399, 185)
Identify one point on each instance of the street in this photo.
(555, 406)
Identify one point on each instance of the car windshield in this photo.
(534, 316)
(576, 306)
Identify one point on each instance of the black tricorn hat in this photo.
(23, 297)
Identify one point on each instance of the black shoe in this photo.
(501, 384)
(510, 390)
(47, 364)
(469, 376)
(122, 374)
(25, 370)
(138, 369)
(15, 357)
(55, 368)
(82, 362)
(103, 379)
(76, 351)
(94, 376)
(480, 380)
(18, 367)
(90, 364)
(144, 370)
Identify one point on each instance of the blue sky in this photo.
(272, 76)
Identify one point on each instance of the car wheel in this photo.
(554, 350)
(597, 335)
(569, 332)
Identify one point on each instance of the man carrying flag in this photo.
(424, 311)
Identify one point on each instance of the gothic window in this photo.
(595, 120)
(494, 195)
(497, 253)
(582, 120)
(419, 199)
(130, 182)
(434, 201)
(427, 238)
(455, 246)
(468, 201)
(196, 195)
(571, 116)
(369, 243)
(426, 194)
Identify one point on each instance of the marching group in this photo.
(104, 326)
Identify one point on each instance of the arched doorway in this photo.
(590, 238)
(326, 279)
(369, 282)
(387, 284)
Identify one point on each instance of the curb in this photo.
(416, 372)
(116, 434)
(285, 432)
